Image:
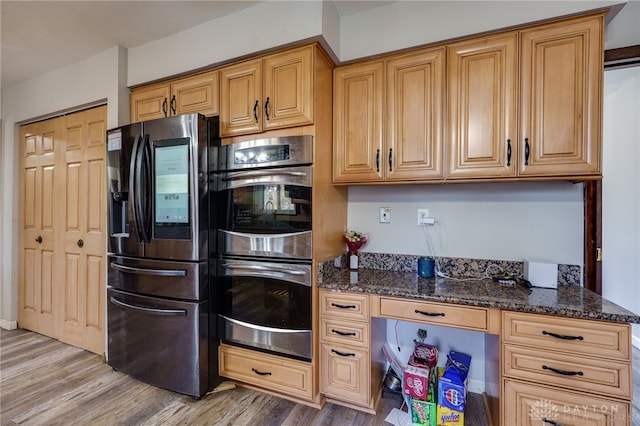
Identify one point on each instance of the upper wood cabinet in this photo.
(272, 92)
(358, 91)
(482, 76)
(561, 69)
(198, 93)
(406, 145)
(559, 76)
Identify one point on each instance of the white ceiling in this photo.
(40, 36)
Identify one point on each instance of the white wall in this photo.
(264, 26)
(508, 221)
(621, 190)
(410, 23)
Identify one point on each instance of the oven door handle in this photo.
(263, 269)
(144, 271)
(261, 327)
(153, 311)
(266, 173)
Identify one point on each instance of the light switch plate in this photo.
(385, 214)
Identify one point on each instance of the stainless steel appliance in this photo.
(265, 243)
(162, 321)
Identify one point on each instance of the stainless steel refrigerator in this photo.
(161, 316)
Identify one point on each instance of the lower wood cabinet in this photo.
(528, 404)
(345, 373)
(350, 351)
(563, 371)
(270, 372)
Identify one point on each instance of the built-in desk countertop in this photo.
(567, 346)
(568, 301)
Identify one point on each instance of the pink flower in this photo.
(355, 241)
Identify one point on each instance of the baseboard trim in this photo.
(8, 325)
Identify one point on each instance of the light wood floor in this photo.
(46, 382)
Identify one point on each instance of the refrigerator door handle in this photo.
(134, 186)
(152, 311)
(144, 271)
(143, 190)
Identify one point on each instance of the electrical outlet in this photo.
(422, 214)
(385, 214)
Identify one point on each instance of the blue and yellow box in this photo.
(452, 386)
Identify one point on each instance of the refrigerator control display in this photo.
(172, 184)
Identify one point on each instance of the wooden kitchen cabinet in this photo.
(554, 367)
(349, 374)
(358, 92)
(272, 92)
(528, 404)
(197, 93)
(482, 77)
(388, 119)
(270, 372)
(561, 69)
(465, 317)
(558, 70)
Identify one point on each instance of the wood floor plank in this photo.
(46, 382)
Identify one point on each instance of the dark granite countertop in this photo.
(568, 301)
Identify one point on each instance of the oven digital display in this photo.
(172, 184)
(261, 154)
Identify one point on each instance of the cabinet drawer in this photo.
(612, 378)
(278, 374)
(345, 332)
(344, 305)
(528, 405)
(345, 373)
(576, 336)
(435, 313)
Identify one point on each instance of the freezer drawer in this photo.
(162, 278)
(162, 342)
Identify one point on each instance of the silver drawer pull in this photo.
(145, 271)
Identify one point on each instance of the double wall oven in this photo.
(265, 245)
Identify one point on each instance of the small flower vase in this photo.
(353, 261)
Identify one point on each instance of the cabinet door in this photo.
(415, 95)
(528, 404)
(150, 102)
(357, 132)
(482, 108)
(196, 94)
(240, 98)
(345, 373)
(288, 89)
(561, 100)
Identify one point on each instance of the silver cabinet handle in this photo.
(143, 271)
(263, 269)
(153, 311)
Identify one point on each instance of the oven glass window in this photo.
(268, 302)
(267, 208)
